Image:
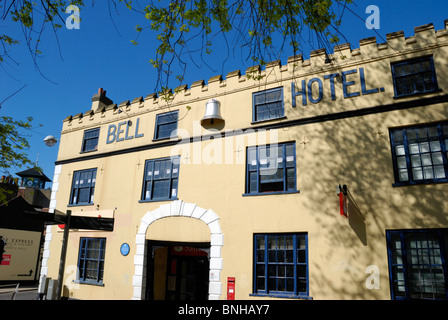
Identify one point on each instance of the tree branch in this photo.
(13, 94)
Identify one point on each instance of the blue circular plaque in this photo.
(124, 249)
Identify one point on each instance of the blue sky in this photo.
(100, 54)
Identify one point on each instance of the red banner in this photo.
(343, 204)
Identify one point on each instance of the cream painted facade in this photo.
(340, 138)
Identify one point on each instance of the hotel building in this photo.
(321, 178)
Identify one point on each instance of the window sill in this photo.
(269, 193)
(417, 183)
(162, 139)
(417, 94)
(80, 204)
(157, 200)
(280, 296)
(268, 120)
(99, 284)
(88, 151)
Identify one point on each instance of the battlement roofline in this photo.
(425, 37)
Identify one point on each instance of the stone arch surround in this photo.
(180, 208)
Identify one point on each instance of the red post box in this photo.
(230, 288)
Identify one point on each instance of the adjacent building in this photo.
(321, 178)
(23, 218)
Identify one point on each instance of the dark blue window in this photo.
(420, 153)
(83, 187)
(91, 260)
(281, 264)
(90, 141)
(161, 179)
(268, 105)
(166, 125)
(271, 169)
(418, 263)
(414, 76)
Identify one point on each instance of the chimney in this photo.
(100, 100)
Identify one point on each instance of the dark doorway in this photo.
(177, 271)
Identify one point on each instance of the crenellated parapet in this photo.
(369, 50)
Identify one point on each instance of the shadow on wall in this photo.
(356, 219)
(356, 151)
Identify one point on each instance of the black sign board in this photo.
(91, 223)
(88, 223)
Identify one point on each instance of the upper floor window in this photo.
(414, 76)
(420, 153)
(281, 264)
(268, 105)
(90, 140)
(161, 179)
(91, 260)
(271, 169)
(166, 123)
(83, 187)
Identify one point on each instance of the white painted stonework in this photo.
(180, 208)
(48, 235)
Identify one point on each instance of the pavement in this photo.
(23, 292)
(12, 287)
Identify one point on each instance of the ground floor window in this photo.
(281, 264)
(418, 263)
(91, 260)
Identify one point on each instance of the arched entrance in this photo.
(180, 208)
